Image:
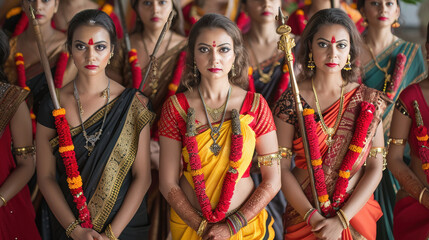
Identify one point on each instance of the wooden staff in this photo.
(286, 43)
(332, 4)
(155, 50)
(124, 25)
(44, 59)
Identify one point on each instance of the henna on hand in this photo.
(409, 181)
(179, 202)
(258, 200)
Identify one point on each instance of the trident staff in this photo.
(286, 43)
(155, 50)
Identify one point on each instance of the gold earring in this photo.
(396, 24)
(233, 70)
(311, 64)
(348, 65)
(195, 70)
(364, 23)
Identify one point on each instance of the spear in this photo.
(332, 4)
(155, 50)
(286, 43)
(124, 25)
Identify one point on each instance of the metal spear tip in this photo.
(32, 12)
(171, 15)
(280, 17)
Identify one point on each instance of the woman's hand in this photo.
(81, 233)
(328, 229)
(217, 231)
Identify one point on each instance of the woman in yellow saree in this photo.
(215, 198)
(345, 137)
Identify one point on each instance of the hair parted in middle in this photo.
(324, 17)
(241, 63)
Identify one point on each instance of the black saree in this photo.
(106, 174)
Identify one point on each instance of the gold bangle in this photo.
(109, 233)
(307, 213)
(202, 227)
(343, 221)
(420, 196)
(267, 160)
(4, 200)
(285, 152)
(23, 150)
(396, 141)
(72, 226)
(345, 217)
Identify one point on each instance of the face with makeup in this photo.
(91, 49)
(380, 13)
(44, 9)
(214, 53)
(330, 48)
(154, 13)
(262, 11)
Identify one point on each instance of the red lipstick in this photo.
(331, 65)
(39, 16)
(91, 67)
(215, 70)
(383, 18)
(155, 19)
(266, 13)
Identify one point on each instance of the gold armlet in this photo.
(378, 150)
(202, 227)
(285, 152)
(72, 226)
(109, 233)
(269, 159)
(24, 150)
(421, 194)
(3, 200)
(396, 141)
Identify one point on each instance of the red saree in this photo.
(363, 224)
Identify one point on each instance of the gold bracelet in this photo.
(23, 150)
(345, 217)
(72, 226)
(267, 160)
(109, 233)
(285, 152)
(4, 200)
(396, 141)
(202, 227)
(307, 213)
(421, 194)
(343, 221)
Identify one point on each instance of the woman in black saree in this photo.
(110, 128)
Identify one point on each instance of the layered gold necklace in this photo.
(265, 77)
(327, 130)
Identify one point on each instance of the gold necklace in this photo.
(264, 77)
(387, 76)
(215, 131)
(154, 77)
(216, 113)
(327, 130)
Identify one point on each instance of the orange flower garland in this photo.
(421, 133)
(401, 59)
(68, 154)
(197, 173)
(355, 148)
(135, 68)
(177, 75)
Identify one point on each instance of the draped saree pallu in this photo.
(410, 218)
(254, 123)
(106, 172)
(17, 217)
(363, 224)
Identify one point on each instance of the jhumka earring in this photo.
(233, 70)
(311, 65)
(111, 55)
(195, 70)
(396, 24)
(364, 23)
(348, 65)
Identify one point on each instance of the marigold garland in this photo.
(177, 75)
(60, 69)
(70, 163)
(421, 133)
(229, 182)
(135, 68)
(355, 148)
(395, 81)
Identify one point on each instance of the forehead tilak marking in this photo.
(333, 39)
(91, 42)
(214, 44)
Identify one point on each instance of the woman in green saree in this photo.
(390, 64)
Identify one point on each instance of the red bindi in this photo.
(91, 42)
(333, 40)
(214, 44)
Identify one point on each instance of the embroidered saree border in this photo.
(10, 99)
(119, 164)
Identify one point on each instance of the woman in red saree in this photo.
(410, 121)
(215, 198)
(347, 114)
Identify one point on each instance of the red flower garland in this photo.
(197, 173)
(69, 158)
(401, 59)
(61, 66)
(421, 133)
(356, 145)
(177, 75)
(135, 68)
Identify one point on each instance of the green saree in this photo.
(414, 71)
